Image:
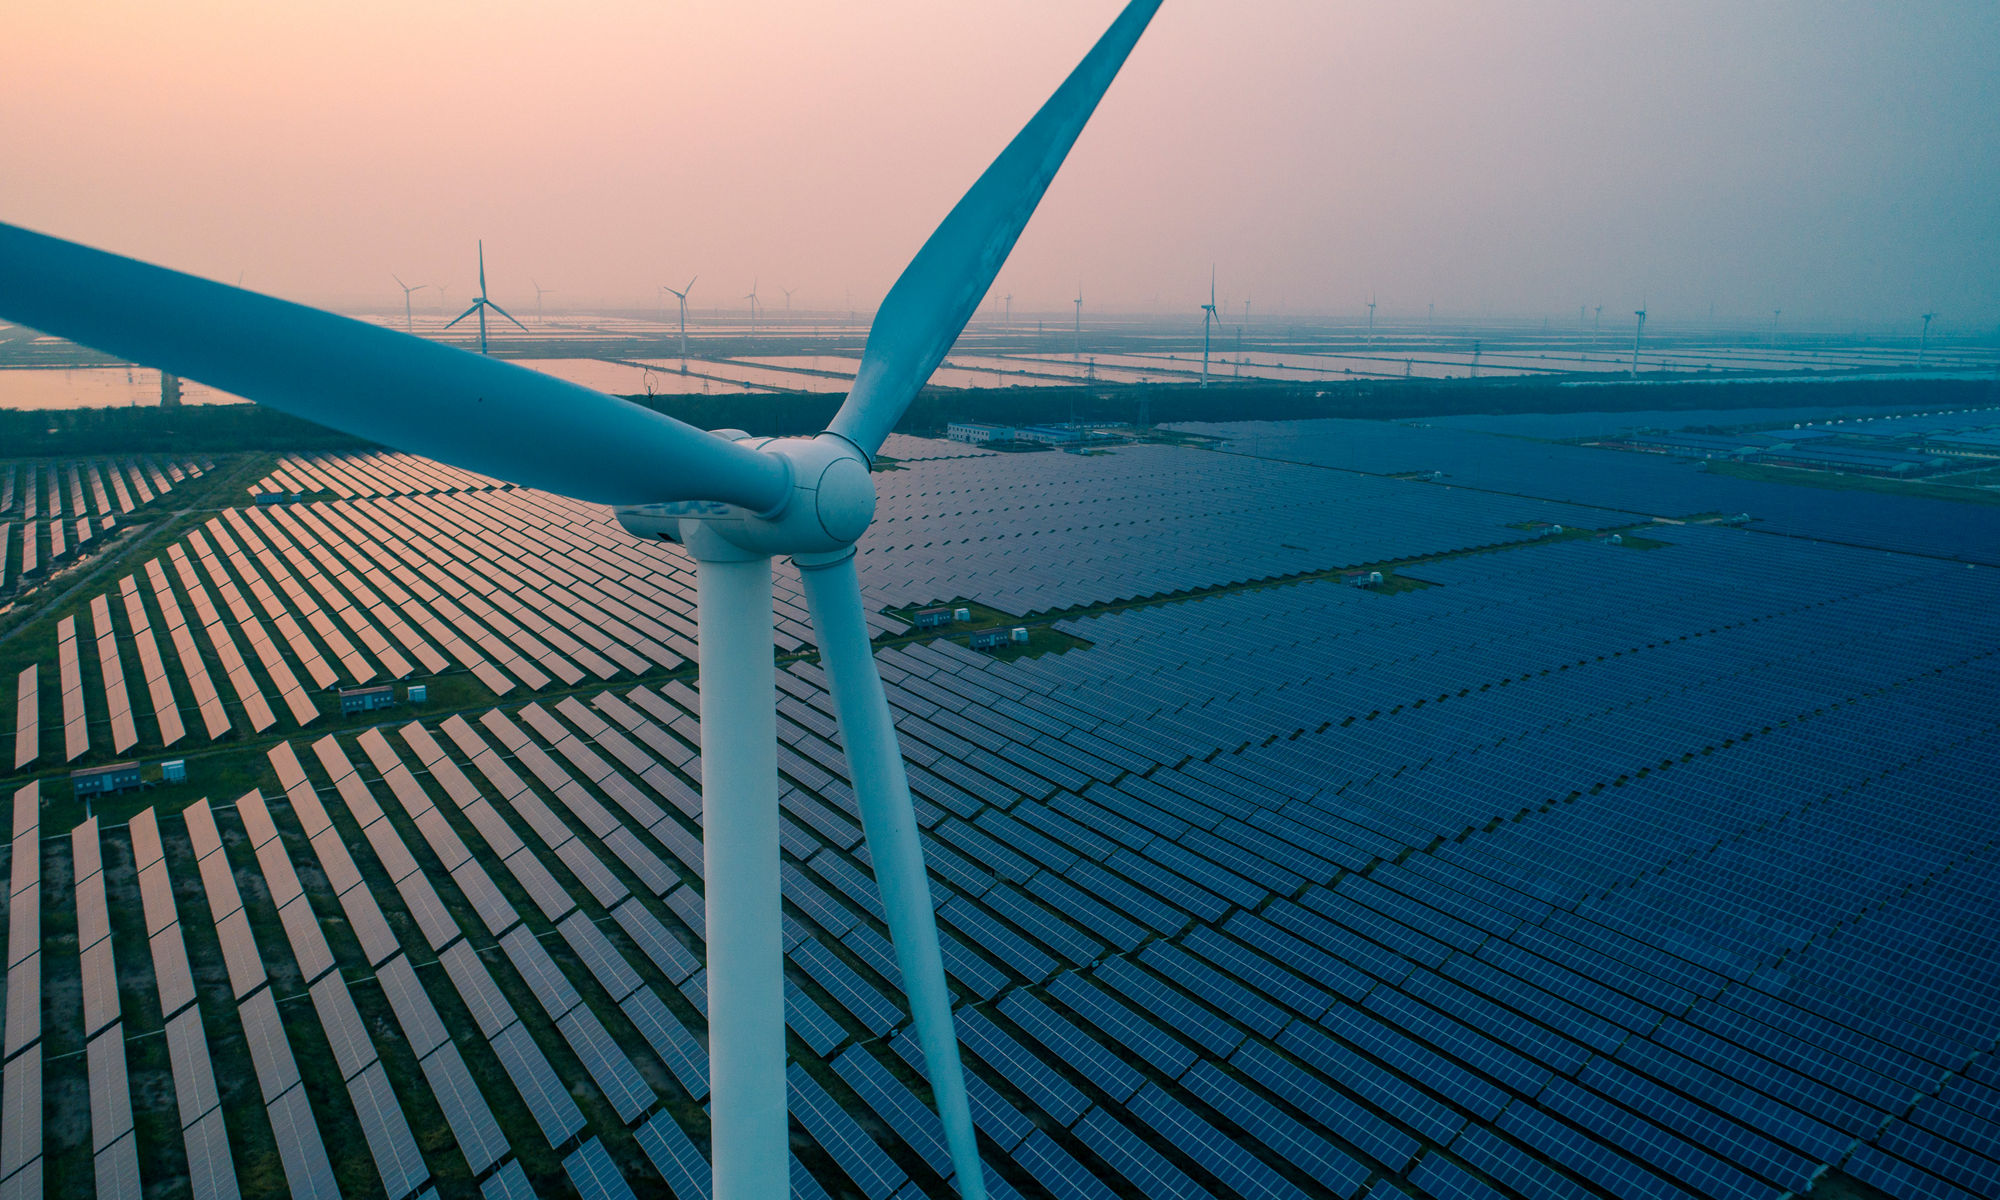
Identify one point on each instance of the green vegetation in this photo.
(1043, 637)
(1840, 481)
(209, 428)
(234, 427)
(1839, 1185)
(1395, 585)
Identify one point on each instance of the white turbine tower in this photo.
(1637, 330)
(752, 298)
(735, 502)
(408, 326)
(481, 304)
(1076, 347)
(788, 297)
(1371, 318)
(1208, 318)
(540, 291)
(1924, 342)
(681, 294)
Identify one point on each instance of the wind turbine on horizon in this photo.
(1076, 350)
(540, 291)
(1371, 318)
(1208, 317)
(408, 326)
(681, 294)
(788, 297)
(1007, 322)
(481, 304)
(1924, 341)
(752, 298)
(734, 502)
(1637, 330)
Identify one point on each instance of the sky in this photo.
(1837, 160)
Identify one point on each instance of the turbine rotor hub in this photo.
(826, 510)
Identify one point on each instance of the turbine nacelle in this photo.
(828, 504)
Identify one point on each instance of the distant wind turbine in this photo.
(480, 304)
(407, 289)
(1596, 323)
(1008, 321)
(1924, 343)
(1371, 318)
(752, 298)
(1636, 331)
(788, 297)
(681, 294)
(541, 291)
(1208, 317)
(1078, 345)
(1775, 314)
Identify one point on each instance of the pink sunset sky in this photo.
(1834, 159)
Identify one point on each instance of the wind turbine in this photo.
(480, 304)
(1924, 342)
(752, 298)
(1371, 318)
(541, 291)
(1208, 318)
(733, 501)
(407, 289)
(788, 297)
(1775, 314)
(1636, 331)
(1596, 323)
(681, 294)
(1008, 321)
(1076, 350)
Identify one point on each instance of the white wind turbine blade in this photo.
(882, 789)
(938, 292)
(477, 413)
(460, 317)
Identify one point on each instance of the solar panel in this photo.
(616, 1077)
(676, 1158)
(465, 1110)
(239, 952)
(210, 1170)
(858, 1156)
(547, 1100)
(476, 988)
(596, 1177)
(493, 908)
(387, 1133)
(110, 1092)
(539, 972)
(308, 943)
(674, 960)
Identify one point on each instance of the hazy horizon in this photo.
(1831, 160)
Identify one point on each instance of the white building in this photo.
(975, 433)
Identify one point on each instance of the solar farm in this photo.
(1604, 848)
